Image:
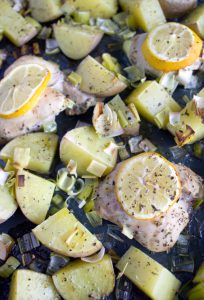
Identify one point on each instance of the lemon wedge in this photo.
(147, 185)
(171, 46)
(21, 88)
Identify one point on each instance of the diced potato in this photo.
(98, 8)
(199, 277)
(34, 195)
(45, 10)
(26, 284)
(80, 280)
(15, 27)
(42, 146)
(177, 8)
(98, 80)
(190, 128)
(148, 275)
(71, 37)
(64, 234)
(196, 20)
(8, 205)
(147, 14)
(84, 146)
(154, 103)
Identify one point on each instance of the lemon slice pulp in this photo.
(147, 185)
(21, 88)
(171, 46)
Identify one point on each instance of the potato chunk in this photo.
(70, 37)
(147, 14)
(42, 146)
(177, 8)
(98, 8)
(148, 275)
(8, 205)
(98, 80)
(196, 20)
(65, 235)
(81, 280)
(45, 10)
(26, 284)
(154, 103)
(15, 27)
(34, 195)
(87, 148)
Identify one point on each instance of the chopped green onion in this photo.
(197, 203)
(94, 219)
(45, 33)
(134, 73)
(126, 34)
(86, 192)
(65, 182)
(58, 201)
(122, 119)
(75, 78)
(121, 19)
(123, 153)
(81, 17)
(50, 127)
(111, 63)
(56, 262)
(27, 242)
(77, 188)
(107, 26)
(89, 206)
(9, 267)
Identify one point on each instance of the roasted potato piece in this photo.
(98, 8)
(148, 275)
(85, 147)
(26, 284)
(154, 103)
(8, 205)
(15, 27)
(42, 146)
(98, 80)
(195, 20)
(190, 128)
(45, 10)
(80, 280)
(146, 15)
(65, 235)
(177, 8)
(70, 37)
(34, 195)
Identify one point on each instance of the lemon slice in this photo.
(21, 88)
(171, 46)
(147, 185)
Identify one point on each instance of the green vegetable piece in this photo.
(72, 36)
(33, 195)
(74, 78)
(85, 279)
(199, 277)
(9, 267)
(26, 284)
(197, 293)
(45, 10)
(81, 17)
(153, 103)
(148, 275)
(111, 63)
(42, 146)
(16, 28)
(195, 20)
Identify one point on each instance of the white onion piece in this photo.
(96, 257)
(3, 177)
(174, 118)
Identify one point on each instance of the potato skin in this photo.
(177, 8)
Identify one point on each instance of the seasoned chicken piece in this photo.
(137, 58)
(50, 104)
(82, 100)
(57, 76)
(159, 234)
